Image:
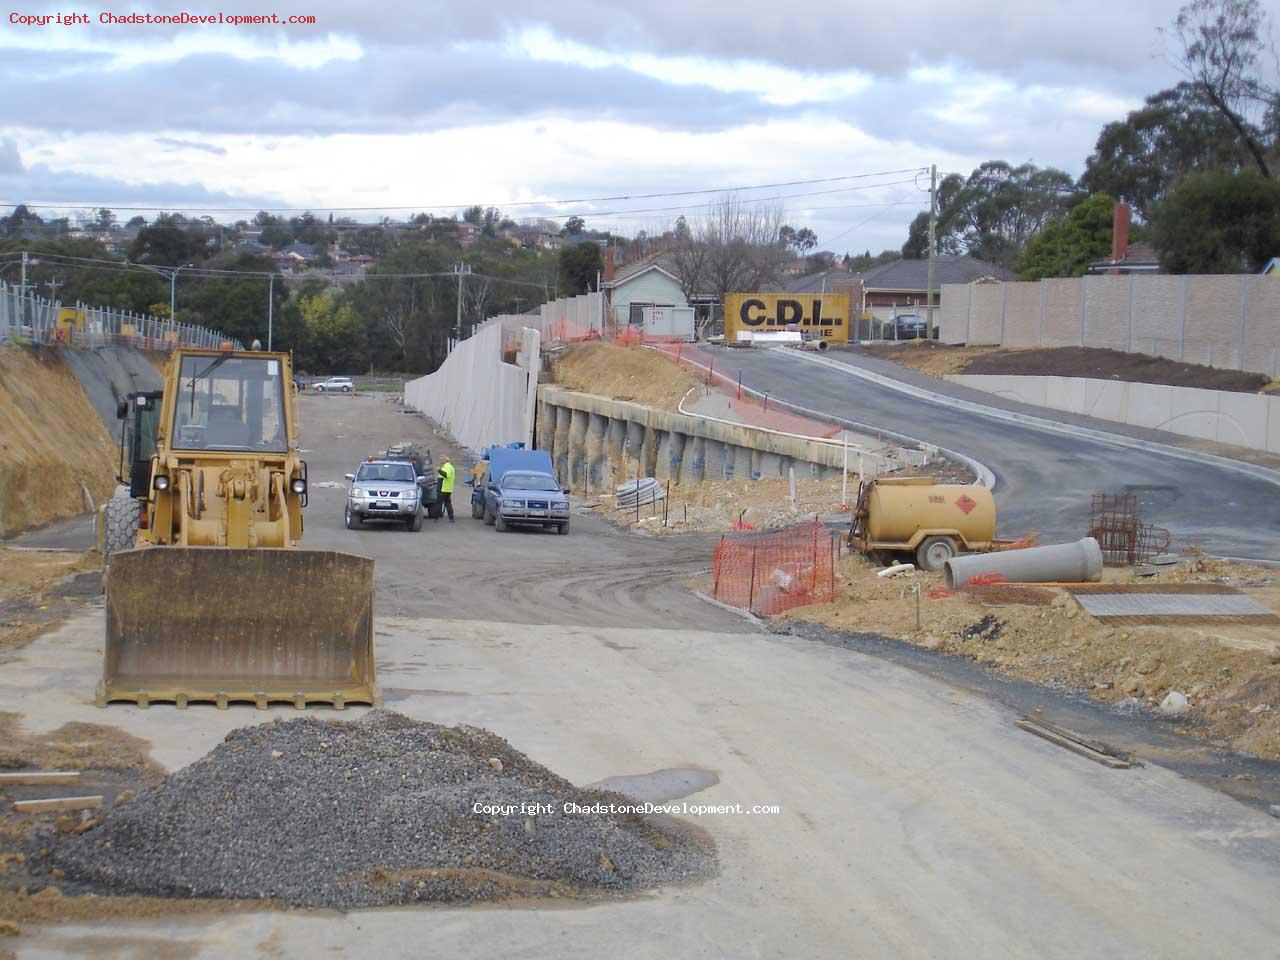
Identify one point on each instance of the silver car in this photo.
(384, 490)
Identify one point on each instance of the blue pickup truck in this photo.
(519, 487)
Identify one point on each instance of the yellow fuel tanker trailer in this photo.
(930, 521)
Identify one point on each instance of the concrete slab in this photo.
(913, 819)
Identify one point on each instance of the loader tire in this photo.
(121, 517)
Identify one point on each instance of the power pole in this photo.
(271, 306)
(933, 244)
(461, 269)
(53, 285)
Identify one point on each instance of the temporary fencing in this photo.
(767, 573)
(38, 320)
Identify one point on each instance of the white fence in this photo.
(37, 320)
(1245, 419)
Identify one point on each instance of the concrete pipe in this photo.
(1079, 562)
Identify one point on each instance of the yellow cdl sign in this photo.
(824, 315)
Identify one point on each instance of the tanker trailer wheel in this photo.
(121, 517)
(477, 510)
(934, 552)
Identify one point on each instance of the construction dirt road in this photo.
(865, 808)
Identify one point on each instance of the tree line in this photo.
(1197, 163)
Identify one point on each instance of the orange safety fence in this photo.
(767, 573)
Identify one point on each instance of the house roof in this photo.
(304, 250)
(1139, 256)
(658, 261)
(818, 282)
(914, 274)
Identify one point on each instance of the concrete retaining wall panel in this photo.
(1022, 315)
(1193, 413)
(1106, 399)
(984, 321)
(953, 312)
(1106, 303)
(1213, 321)
(1156, 316)
(1262, 326)
(1061, 313)
(1242, 418)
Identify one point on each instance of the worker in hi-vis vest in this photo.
(446, 486)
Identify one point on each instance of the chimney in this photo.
(1120, 232)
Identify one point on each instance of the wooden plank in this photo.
(35, 778)
(1073, 745)
(57, 804)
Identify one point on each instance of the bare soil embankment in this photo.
(623, 373)
(1230, 672)
(53, 445)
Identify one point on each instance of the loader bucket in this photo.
(223, 625)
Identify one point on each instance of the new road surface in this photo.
(1044, 477)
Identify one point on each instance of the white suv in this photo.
(335, 384)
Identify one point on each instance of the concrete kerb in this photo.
(1050, 426)
(982, 473)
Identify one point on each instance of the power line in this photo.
(43, 205)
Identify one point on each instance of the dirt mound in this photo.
(52, 442)
(385, 810)
(623, 373)
(939, 360)
(1229, 671)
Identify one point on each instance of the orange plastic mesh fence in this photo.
(767, 573)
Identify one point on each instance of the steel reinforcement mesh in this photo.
(767, 573)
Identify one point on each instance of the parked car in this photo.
(335, 385)
(385, 490)
(423, 466)
(910, 326)
(519, 487)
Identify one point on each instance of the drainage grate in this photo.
(1172, 603)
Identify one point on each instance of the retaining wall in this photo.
(1222, 321)
(1244, 419)
(108, 374)
(477, 397)
(597, 443)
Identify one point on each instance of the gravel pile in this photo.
(385, 810)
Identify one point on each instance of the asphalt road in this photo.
(913, 819)
(1044, 480)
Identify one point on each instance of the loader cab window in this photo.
(230, 403)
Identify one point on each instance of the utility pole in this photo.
(271, 306)
(53, 285)
(461, 269)
(933, 245)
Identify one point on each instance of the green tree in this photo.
(580, 265)
(992, 214)
(1176, 132)
(574, 226)
(473, 214)
(165, 243)
(1066, 247)
(1220, 47)
(334, 337)
(1218, 223)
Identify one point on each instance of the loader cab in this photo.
(230, 403)
(139, 416)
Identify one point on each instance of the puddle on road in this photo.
(659, 786)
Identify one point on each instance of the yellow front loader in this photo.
(209, 597)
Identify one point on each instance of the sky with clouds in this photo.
(436, 104)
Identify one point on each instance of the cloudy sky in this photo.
(435, 104)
